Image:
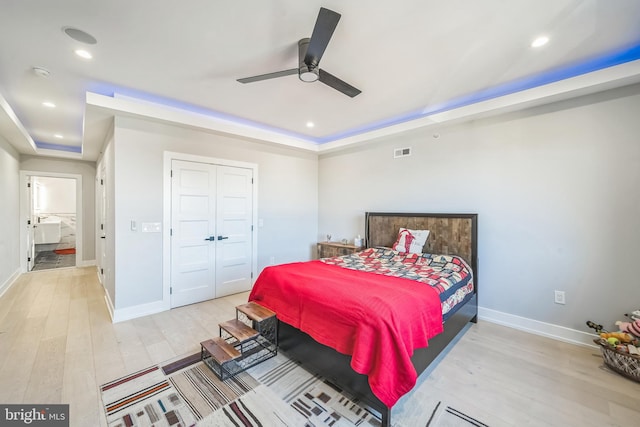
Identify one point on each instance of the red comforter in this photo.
(378, 320)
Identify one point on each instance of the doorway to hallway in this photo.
(51, 221)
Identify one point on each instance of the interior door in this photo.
(193, 233)
(102, 233)
(30, 223)
(234, 216)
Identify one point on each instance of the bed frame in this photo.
(450, 234)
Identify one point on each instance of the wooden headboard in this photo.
(450, 234)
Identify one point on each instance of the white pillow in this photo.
(411, 241)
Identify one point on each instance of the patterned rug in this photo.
(278, 392)
(46, 260)
(444, 416)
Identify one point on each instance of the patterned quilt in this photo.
(449, 275)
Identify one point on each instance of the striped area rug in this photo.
(144, 398)
(278, 392)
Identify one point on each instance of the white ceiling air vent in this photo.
(401, 152)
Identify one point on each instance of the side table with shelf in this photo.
(331, 249)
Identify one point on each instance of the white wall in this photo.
(88, 172)
(9, 214)
(59, 195)
(556, 190)
(287, 199)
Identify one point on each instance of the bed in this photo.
(425, 331)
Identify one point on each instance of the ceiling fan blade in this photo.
(337, 84)
(325, 25)
(269, 76)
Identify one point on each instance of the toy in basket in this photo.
(620, 350)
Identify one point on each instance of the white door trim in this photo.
(100, 220)
(169, 156)
(24, 212)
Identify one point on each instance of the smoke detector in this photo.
(41, 72)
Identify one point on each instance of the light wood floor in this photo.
(58, 345)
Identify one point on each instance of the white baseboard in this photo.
(549, 330)
(128, 313)
(86, 263)
(537, 327)
(9, 282)
(107, 299)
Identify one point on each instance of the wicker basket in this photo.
(623, 363)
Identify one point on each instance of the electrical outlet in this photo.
(272, 260)
(559, 297)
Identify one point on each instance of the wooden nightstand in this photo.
(330, 249)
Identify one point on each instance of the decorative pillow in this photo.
(411, 241)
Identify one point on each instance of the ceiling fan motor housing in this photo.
(306, 72)
(310, 51)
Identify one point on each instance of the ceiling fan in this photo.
(310, 51)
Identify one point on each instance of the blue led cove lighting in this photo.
(59, 147)
(617, 57)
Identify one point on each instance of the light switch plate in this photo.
(151, 227)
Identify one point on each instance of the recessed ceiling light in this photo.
(79, 35)
(49, 104)
(310, 124)
(540, 41)
(58, 135)
(83, 53)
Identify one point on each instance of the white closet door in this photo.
(234, 224)
(193, 244)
